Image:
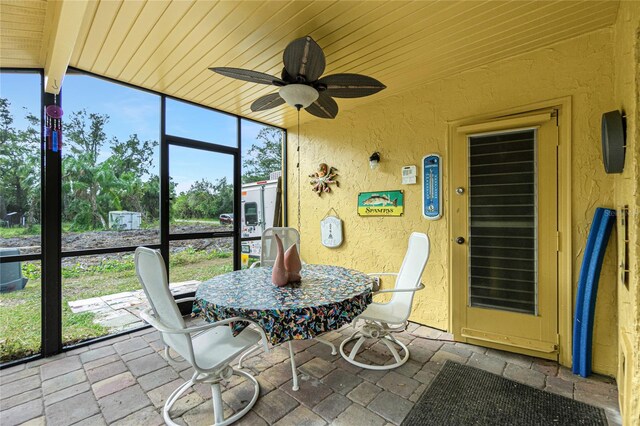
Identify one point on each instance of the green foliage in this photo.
(204, 200)
(20, 320)
(31, 270)
(106, 265)
(263, 159)
(20, 165)
(132, 156)
(20, 232)
(190, 255)
(202, 270)
(149, 199)
(92, 187)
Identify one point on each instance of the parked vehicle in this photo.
(259, 205)
(226, 218)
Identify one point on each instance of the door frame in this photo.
(565, 273)
(165, 200)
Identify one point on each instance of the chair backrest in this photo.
(289, 237)
(152, 275)
(410, 273)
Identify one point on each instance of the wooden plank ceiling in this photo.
(22, 26)
(168, 46)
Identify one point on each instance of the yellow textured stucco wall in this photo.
(405, 128)
(627, 192)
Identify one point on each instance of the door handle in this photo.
(460, 240)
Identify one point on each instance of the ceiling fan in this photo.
(300, 83)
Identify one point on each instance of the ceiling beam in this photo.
(65, 27)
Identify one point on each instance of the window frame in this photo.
(51, 254)
(257, 221)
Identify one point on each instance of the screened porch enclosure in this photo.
(134, 168)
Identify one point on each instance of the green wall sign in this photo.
(381, 203)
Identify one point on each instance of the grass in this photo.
(28, 231)
(67, 227)
(19, 231)
(197, 221)
(20, 317)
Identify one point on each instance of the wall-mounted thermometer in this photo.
(431, 189)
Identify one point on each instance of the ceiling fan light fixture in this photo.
(298, 95)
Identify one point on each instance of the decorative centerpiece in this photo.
(287, 266)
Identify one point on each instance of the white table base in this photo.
(294, 372)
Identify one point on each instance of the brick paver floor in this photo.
(126, 380)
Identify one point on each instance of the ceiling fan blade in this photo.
(323, 107)
(271, 100)
(304, 57)
(284, 75)
(248, 75)
(350, 85)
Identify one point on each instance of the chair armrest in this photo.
(376, 287)
(255, 264)
(186, 299)
(394, 290)
(149, 317)
(382, 274)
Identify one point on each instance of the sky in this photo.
(135, 111)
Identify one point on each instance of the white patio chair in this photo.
(208, 348)
(383, 319)
(288, 236)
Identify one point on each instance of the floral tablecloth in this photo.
(326, 298)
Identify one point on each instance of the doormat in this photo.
(463, 395)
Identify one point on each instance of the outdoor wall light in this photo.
(374, 160)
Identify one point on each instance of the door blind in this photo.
(502, 221)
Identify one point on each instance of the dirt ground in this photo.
(73, 241)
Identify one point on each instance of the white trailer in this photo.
(258, 212)
(124, 220)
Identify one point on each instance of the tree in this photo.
(85, 135)
(130, 161)
(205, 200)
(84, 139)
(224, 197)
(20, 165)
(262, 159)
(150, 198)
(197, 203)
(132, 155)
(93, 186)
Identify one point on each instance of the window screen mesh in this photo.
(502, 218)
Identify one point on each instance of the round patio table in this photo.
(326, 298)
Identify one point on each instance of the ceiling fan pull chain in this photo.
(298, 165)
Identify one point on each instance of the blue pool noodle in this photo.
(577, 325)
(588, 288)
